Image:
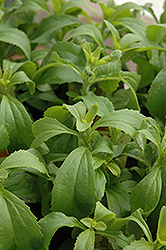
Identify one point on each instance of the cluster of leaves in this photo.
(96, 160)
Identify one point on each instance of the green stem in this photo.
(85, 86)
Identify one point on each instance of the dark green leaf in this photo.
(118, 200)
(146, 193)
(51, 223)
(17, 121)
(156, 96)
(100, 183)
(156, 33)
(50, 26)
(75, 178)
(16, 217)
(4, 137)
(90, 30)
(46, 128)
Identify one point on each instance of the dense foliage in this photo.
(85, 133)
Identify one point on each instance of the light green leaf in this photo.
(16, 217)
(73, 3)
(51, 223)
(126, 120)
(57, 112)
(140, 245)
(102, 213)
(46, 128)
(114, 168)
(33, 5)
(85, 240)
(4, 137)
(16, 37)
(88, 222)
(120, 9)
(156, 32)
(146, 193)
(17, 121)
(75, 179)
(90, 30)
(156, 96)
(136, 26)
(115, 35)
(90, 115)
(78, 110)
(105, 105)
(161, 230)
(23, 160)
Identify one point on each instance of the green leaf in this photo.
(136, 26)
(33, 5)
(148, 156)
(24, 185)
(4, 137)
(46, 128)
(90, 115)
(90, 30)
(126, 120)
(51, 223)
(118, 200)
(16, 37)
(156, 32)
(100, 183)
(75, 179)
(102, 213)
(57, 112)
(21, 77)
(69, 51)
(17, 121)
(16, 217)
(118, 237)
(119, 10)
(28, 67)
(146, 194)
(132, 80)
(73, 3)
(137, 217)
(49, 27)
(78, 110)
(161, 230)
(140, 245)
(115, 35)
(85, 240)
(103, 145)
(105, 105)
(23, 160)
(114, 168)
(156, 96)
